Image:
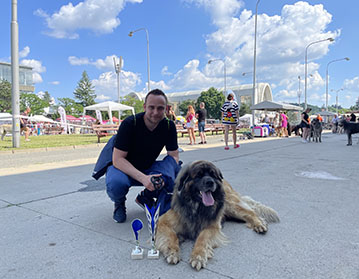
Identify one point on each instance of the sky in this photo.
(61, 39)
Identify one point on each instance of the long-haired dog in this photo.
(350, 128)
(202, 199)
(316, 130)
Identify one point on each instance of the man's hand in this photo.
(148, 183)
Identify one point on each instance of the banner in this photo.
(99, 116)
(62, 113)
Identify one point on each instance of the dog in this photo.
(350, 128)
(316, 130)
(201, 201)
(4, 129)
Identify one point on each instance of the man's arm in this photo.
(120, 162)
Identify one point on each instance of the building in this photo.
(25, 77)
(243, 94)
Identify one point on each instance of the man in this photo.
(201, 115)
(23, 122)
(138, 143)
(335, 122)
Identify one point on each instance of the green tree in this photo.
(32, 101)
(71, 107)
(5, 96)
(244, 109)
(133, 102)
(85, 91)
(183, 107)
(47, 98)
(213, 100)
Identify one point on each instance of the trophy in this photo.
(152, 218)
(137, 253)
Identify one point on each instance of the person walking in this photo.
(230, 115)
(23, 123)
(284, 124)
(191, 124)
(201, 115)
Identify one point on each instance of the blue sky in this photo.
(61, 39)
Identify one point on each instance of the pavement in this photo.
(56, 221)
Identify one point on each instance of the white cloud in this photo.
(102, 98)
(352, 84)
(165, 71)
(37, 68)
(25, 52)
(106, 84)
(54, 82)
(102, 64)
(99, 16)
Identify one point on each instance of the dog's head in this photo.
(316, 123)
(201, 182)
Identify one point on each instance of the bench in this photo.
(53, 130)
(104, 130)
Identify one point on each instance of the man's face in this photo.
(155, 108)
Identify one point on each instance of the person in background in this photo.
(319, 118)
(170, 114)
(201, 115)
(24, 122)
(284, 124)
(305, 125)
(353, 118)
(230, 115)
(191, 124)
(335, 121)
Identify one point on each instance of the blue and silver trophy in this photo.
(137, 253)
(152, 219)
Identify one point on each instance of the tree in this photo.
(32, 101)
(85, 91)
(213, 100)
(71, 107)
(5, 96)
(244, 109)
(183, 107)
(46, 97)
(133, 102)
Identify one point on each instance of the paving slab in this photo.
(58, 223)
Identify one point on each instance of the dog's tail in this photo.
(267, 213)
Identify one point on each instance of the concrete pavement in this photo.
(56, 221)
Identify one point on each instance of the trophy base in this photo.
(137, 254)
(153, 254)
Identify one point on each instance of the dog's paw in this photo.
(173, 258)
(198, 262)
(260, 226)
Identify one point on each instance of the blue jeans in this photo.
(201, 126)
(118, 183)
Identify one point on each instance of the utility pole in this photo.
(118, 67)
(15, 98)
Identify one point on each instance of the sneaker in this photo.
(304, 141)
(119, 214)
(141, 200)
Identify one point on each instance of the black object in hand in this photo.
(157, 182)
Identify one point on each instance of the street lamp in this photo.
(254, 62)
(299, 92)
(148, 54)
(337, 98)
(224, 71)
(306, 66)
(327, 80)
(118, 67)
(246, 73)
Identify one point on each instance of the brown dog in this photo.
(201, 200)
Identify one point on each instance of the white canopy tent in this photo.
(40, 118)
(109, 106)
(275, 106)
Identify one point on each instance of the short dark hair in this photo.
(230, 97)
(156, 92)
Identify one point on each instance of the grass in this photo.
(51, 141)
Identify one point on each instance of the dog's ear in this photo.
(183, 177)
(219, 173)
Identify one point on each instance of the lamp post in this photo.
(254, 62)
(306, 67)
(299, 92)
(327, 79)
(224, 72)
(148, 54)
(337, 98)
(118, 67)
(15, 98)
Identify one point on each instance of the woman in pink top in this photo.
(284, 119)
(191, 123)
